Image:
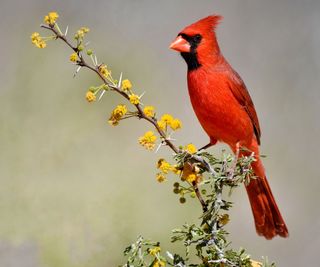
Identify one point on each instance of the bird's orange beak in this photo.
(180, 45)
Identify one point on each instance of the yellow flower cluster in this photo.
(190, 148)
(80, 33)
(51, 18)
(164, 166)
(190, 173)
(175, 124)
(148, 140)
(90, 96)
(134, 99)
(191, 178)
(160, 177)
(37, 40)
(117, 114)
(149, 111)
(73, 57)
(104, 71)
(154, 251)
(167, 120)
(126, 85)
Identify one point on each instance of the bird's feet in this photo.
(212, 143)
(206, 146)
(235, 160)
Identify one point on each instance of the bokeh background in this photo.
(75, 191)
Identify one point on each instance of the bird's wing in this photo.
(241, 93)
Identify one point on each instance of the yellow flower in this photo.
(159, 263)
(149, 111)
(167, 118)
(134, 99)
(35, 36)
(160, 177)
(37, 40)
(191, 148)
(80, 33)
(190, 173)
(104, 71)
(148, 140)
(164, 166)
(164, 121)
(90, 96)
(120, 110)
(126, 85)
(51, 18)
(175, 124)
(42, 44)
(154, 251)
(162, 125)
(176, 169)
(74, 57)
(191, 178)
(117, 114)
(85, 29)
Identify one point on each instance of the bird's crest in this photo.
(204, 25)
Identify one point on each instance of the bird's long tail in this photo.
(267, 217)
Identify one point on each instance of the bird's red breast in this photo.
(218, 111)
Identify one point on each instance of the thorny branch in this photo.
(82, 63)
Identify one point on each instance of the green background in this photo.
(75, 191)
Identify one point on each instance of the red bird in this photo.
(226, 112)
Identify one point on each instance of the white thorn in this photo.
(170, 255)
(92, 59)
(101, 95)
(142, 94)
(160, 145)
(120, 80)
(66, 32)
(78, 69)
(96, 60)
(87, 43)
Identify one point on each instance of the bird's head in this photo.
(197, 42)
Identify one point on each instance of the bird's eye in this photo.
(197, 37)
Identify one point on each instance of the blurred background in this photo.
(75, 191)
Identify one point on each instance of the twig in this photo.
(199, 196)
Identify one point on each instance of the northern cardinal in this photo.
(226, 112)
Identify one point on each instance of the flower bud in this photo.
(176, 190)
